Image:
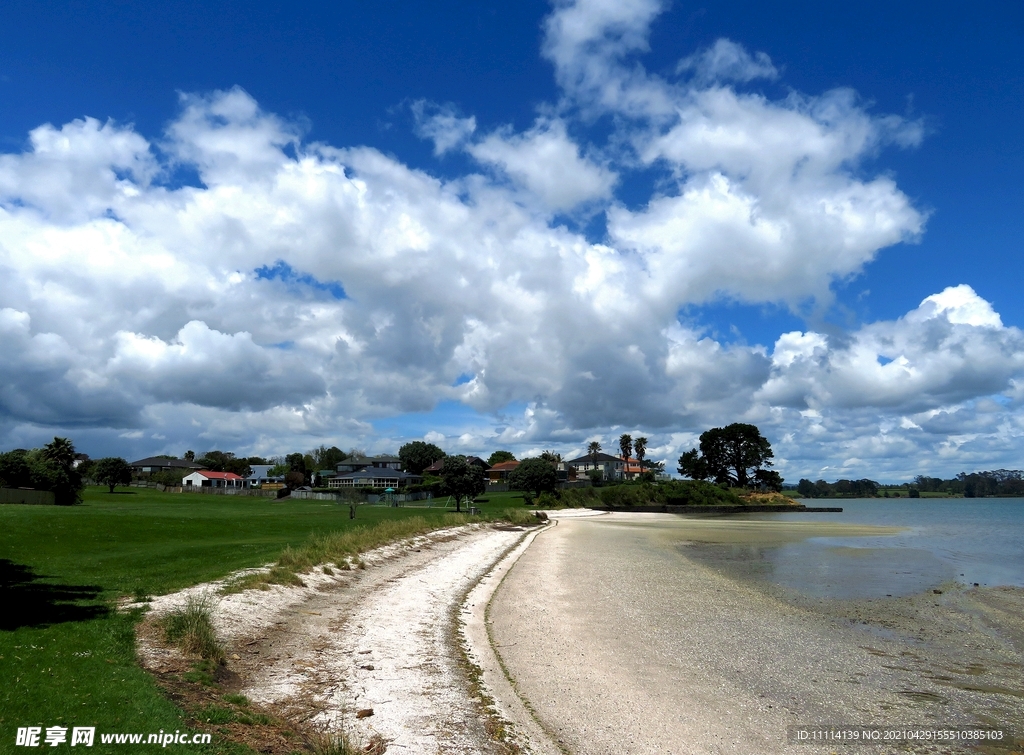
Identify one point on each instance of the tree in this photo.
(54, 470)
(640, 446)
(499, 456)
(593, 450)
(694, 466)
(15, 471)
(728, 455)
(806, 488)
(552, 458)
(461, 479)
(768, 479)
(278, 470)
(626, 446)
(297, 465)
(190, 455)
(112, 471)
(535, 474)
(61, 452)
(418, 455)
(328, 458)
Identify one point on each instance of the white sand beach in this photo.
(586, 640)
(618, 647)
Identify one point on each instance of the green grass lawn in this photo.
(66, 658)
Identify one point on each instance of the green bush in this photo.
(580, 497)
(549, 500)
(629, 495)
(697, 493)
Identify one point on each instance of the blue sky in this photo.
(516, 226)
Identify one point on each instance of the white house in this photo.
(206, 479)
(610, 467)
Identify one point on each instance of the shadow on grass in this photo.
(30, 602)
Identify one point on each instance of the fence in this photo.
(33, 497)
(251, 492)
(399, 497)
(309, 495)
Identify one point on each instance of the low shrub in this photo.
(698, 493)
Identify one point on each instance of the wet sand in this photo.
(621, 643)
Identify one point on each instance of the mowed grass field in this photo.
(67, 658)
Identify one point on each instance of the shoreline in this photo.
(620, 646)
(580, 638)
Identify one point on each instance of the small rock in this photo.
(937, 592)
(367, 667)
(364, 713)
(236, 656)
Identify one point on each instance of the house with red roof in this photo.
(499, 472)
(204, 478)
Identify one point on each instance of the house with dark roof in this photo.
(355, 463)
(435, 468)
(153, 464)
(374, 477)
(610, 467)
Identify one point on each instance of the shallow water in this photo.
(925, 543)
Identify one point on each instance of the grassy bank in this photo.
(69, 659)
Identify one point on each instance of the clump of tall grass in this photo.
(523, 516)
(191, 628)
(340, 743)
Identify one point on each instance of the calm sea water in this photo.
(964, 540)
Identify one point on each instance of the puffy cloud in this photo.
(305, 291)
(548, 164)
(950, 349)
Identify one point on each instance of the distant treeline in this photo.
(1009, 482)
(1005, 482)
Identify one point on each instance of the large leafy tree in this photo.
(499, 456)
(418, 455)
(15, 470)
(461, 479)
(112, 471)
(730, 455)
(535, 474)
(327, 458)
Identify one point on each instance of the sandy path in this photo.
(622, 648)
(384, 637)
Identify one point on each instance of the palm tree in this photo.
(61, 452)
(640, 448)
(594, 449)
(626, 446)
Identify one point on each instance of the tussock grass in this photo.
(191, 628)
(340, 743)
(521, 516)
